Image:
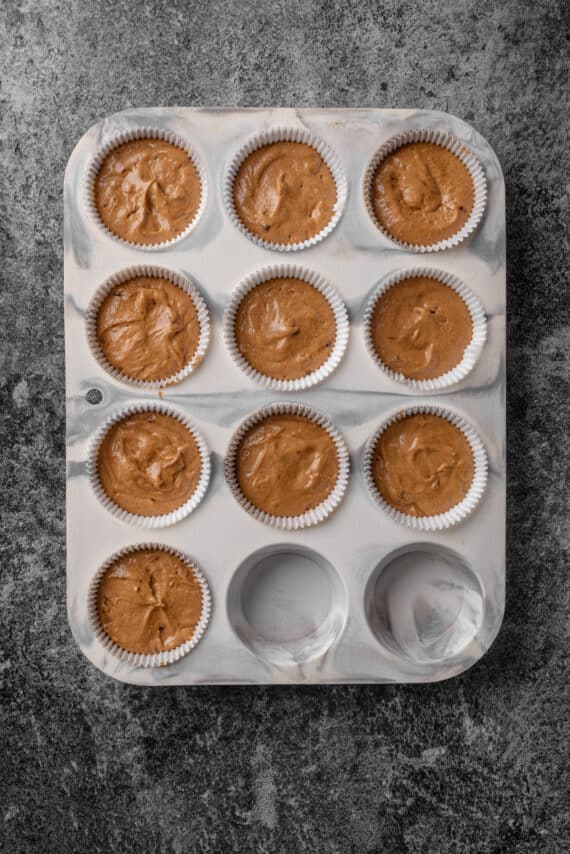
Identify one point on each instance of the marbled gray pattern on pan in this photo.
(360, 535)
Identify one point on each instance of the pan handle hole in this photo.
(94, 396)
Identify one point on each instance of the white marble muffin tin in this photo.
(360, 597)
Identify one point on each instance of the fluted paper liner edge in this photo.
(148, 271)
(320, 284)
(461, 510)
(317, 514)
(96, 162)
(157, 659)
(139, 521)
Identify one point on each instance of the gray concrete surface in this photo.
(474, 765)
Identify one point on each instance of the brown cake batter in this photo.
(422, 193)
(420, 328)
(148, 328)
(286, 465)
(149, 601)
(284, 192)
(147, 191)
(423, 465)
(149, 463)
(285, 328)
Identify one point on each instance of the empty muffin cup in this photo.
(148, 465)
(287, 604)
(423, 195)
(425, 488)
(302, 208)
(161, 203)
(432, 335)
(296, 448)
(286, 327)
(149, 605)
(424, 603)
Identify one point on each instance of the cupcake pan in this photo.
(359, 597)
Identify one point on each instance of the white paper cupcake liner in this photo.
(287, 134)
(314, 516)
(128, 136)
(320, 284)
(157, 659)
(454, 514)
(166, 519)
(457, 147)
(150, 271)
(473, 349)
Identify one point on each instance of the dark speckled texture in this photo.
(473, 765)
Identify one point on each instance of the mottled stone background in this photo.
(473, 765)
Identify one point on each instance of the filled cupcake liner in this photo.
(473, 349)
(320, 284)
(457, 147)
(128, 136)
(311, 517)
(455, 514)
(150, 271)
(287, 134)
(157, 659)
(166, 519)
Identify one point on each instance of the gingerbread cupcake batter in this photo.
(285, 328)
(284, 192)
(149, 601)
(422, 193)
(147, 191)
(423, 465)
(149, 463)
(420, 328)
(286, 465)
(148, 328)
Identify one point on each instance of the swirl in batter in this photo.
(286, 465)
(284, 192)
(149, 463)
(147, 191)
(422, 193)
(423, 465)
(285, 328)
(149, 601)
(148, 328)
(420, 328)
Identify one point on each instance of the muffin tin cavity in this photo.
(303, 463)
(420, 196)
(148, 604)
(167, 320)
(281, 330)
(150, 464)
(287, 135)
(287, 604)
(425, 466)
(146, 190)
(315, 579)
(424, 603)
(416, 334)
